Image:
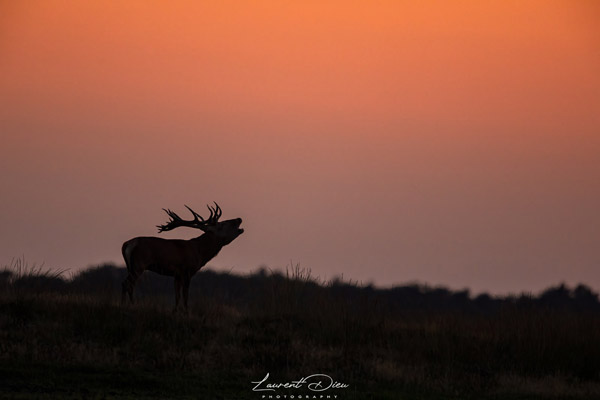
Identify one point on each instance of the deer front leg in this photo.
(177, 292)
(186, 291)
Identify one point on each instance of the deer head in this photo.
(224, 231)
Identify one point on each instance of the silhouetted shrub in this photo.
(40, 284)
(102, 278)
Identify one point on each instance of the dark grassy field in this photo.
(70, 338)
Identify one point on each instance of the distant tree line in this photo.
(296, 289)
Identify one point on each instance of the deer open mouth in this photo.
(239, 222)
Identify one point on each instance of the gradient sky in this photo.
(451, 143)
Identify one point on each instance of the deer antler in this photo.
(198, 222)
(195, 214)
(215, 213)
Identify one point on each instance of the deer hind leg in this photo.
(123, 291)
(127, 287)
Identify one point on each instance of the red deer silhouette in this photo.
(180, 259)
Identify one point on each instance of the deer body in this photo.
(169, 257)
(178, 258)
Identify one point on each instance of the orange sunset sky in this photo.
(452, 143)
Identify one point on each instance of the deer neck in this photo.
(207, 246)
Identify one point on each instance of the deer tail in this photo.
(126, 250)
